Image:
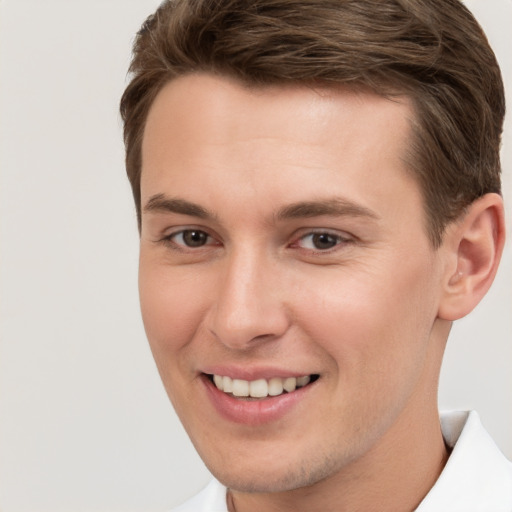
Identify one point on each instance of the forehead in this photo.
(206, 132)
(301, 111)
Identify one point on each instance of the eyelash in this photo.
(336, 238)
(170, 239)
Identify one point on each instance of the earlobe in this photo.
(474, 245)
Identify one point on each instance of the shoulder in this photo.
(210, 499)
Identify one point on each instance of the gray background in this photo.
(84, 421)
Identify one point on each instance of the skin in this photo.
(363, 314)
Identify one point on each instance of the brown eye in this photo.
(191, 240)
(193, 237)
(323, 241)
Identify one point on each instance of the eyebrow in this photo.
(336, 206)
(161, 203)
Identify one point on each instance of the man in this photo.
(318, 194)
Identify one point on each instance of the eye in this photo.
(191, 238)
(321, 241)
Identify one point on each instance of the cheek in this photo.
(171, 308)
(371, 321)
(376, 338)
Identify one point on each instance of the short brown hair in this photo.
(433, 51)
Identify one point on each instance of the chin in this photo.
(265, 482)
(275, 476)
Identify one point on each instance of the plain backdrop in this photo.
(84, 422)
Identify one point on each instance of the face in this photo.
(288, 287)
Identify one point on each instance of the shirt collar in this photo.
(477, 476)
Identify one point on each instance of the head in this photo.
(346, 150)
(433, 52)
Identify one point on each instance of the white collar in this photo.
(477, 476)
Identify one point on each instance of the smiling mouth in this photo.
(260, 388)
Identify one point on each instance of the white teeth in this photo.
(260, 388)
(219, 381)
(227, 385)
(275, 386)
(290, 384)
(302, 381)
(240, 387)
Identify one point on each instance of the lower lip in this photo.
(254, 412)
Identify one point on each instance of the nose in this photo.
(248, 307)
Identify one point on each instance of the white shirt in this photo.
(476, 478)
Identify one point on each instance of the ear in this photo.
(472, 246)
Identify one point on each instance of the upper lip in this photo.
(252, 373)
